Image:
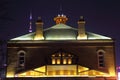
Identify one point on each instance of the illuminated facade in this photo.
(61, 51)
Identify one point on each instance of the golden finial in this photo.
(60, 19)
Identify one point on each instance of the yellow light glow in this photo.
(59, 55)
(61, 70)
(58, 61)
(50, 73)
(41, 69)
(60, 19)
(80, 69)
(82, 37)
(64, 61)
(10, 74)
(23, 73)
(68, 72)
(111, 71)
(53, 55)
(69, 61)
(38, 37)
(53, 61)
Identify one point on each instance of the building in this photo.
(61, 52)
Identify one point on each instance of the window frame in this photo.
(61, 56)
(19, 64)
(101, 62)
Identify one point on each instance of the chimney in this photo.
(81, 29)
(39, 30)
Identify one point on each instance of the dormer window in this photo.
(62, 58)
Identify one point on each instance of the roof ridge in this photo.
(60, 26)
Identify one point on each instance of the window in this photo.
(58, 61)
(61, 58)
(53, 61)
(101, 62)
(69, 61)
(21, 58)
(64, 61)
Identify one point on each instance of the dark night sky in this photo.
(102, 16)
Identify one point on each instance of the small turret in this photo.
(39, 30)
(81, 29)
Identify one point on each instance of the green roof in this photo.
(61, 32)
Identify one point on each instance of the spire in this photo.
(30, 27)
(60, 9)
(61, 18)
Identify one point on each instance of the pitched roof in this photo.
(60, 32)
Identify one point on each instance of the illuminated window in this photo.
(61, 58)
(64, 61)
(21, 58)
(69, 55)
(53, 61)
(58, 61)
(70, 61)
(101, 62)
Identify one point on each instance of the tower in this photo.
(30, 27)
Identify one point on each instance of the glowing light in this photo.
(60, 38)
(40, 69)
(58, 61)
(60, 19)
(30, 27)
(64, 61)
(82, 37)
(39, 37)
(111, 71)
(81, 68)
(61, 70)
(118, 75)
(10, 74)
(53, 61)
(23, 74)
(69, 61)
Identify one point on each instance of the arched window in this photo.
(101, 61)
(61, 58)
(21, 58)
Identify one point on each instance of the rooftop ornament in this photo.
(60, 19)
